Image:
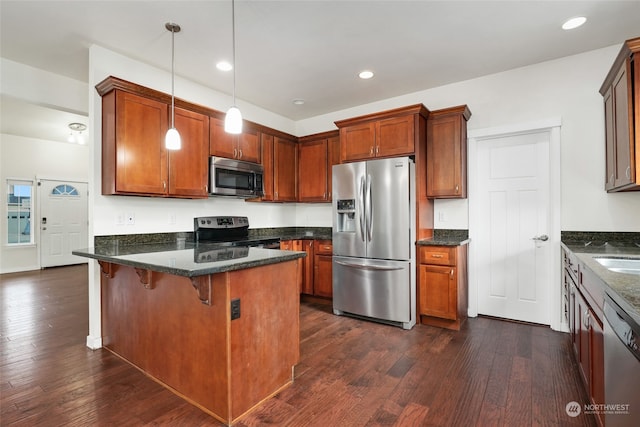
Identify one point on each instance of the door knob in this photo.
(542, 238)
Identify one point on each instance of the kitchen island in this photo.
(218, 326)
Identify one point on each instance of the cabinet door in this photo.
(446, 160)
(312, 171)
(141, 159)
(249, 146)
(334, 159)
(188, 167)
(267, 163)
(357, 142)
(623, 135)
(221, 143)
(610, 141)
(395, 137)
(322, 279)
(307, 267)
(438, 291)
(285, 170)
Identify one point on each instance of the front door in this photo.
(514, 254)
(63, 221)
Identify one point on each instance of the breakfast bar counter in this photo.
(218, 326)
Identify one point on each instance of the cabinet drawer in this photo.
(323, 247)
(438, 255)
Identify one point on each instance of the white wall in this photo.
(565, 88)
(27, 158)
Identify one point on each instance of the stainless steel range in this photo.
(220, 238)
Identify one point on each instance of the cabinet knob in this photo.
(457, 188)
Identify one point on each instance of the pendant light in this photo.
(233, 120)
(172, 138)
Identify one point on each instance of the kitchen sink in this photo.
(620, 265)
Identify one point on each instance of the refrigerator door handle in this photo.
(368, 267)
(361, 202)
(369, 209)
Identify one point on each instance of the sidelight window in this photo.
(19, 210)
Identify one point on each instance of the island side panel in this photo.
(166, 331)
(265, 340)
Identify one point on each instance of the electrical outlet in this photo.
(131, 218)
(235, 308)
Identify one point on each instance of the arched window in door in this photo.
(64, 190)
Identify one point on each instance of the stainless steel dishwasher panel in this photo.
(621, 367)
(379, 289)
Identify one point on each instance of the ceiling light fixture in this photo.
(172, 138)
(233, 120)
(298, 102)
(572, 23)
(366, 74)
(224, 66)
(79, 128)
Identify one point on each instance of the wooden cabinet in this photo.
(189, 166)
(442, 289)
(280, 161)
(387, 134)
(621, 95)
(245, 147)
(586, 327)
(134, 159)
(316, 156)
(447, 153)
(322, 268)
(316, 271)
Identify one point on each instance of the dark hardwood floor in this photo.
(351, 372)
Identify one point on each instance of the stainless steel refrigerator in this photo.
(374, 240)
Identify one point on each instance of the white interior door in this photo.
(63, 221)
(514, 263)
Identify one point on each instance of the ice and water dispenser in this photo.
(346, 210)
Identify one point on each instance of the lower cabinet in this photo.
(315, 275)
(442, 286)
(586, 332)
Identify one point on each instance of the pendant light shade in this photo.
(233, 120)
(172, 139)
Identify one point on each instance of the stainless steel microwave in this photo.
(235, 178)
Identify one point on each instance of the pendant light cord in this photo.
(173, 113)
(233, 47)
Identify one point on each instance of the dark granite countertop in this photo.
(185, 258)
(623, 288)
(442, 237)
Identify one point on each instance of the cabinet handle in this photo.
(371, 150)
(436, 256)
(628, 172)
(585, 319)
(612, 178)
(240, 151)
(377, 149)
(451, 273)
(235, 153)
(457, 188)
(164, 185)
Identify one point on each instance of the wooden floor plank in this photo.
(351, 372)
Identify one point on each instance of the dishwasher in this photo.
(621, 367)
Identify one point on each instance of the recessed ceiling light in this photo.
(572, 23)
(298, 101)
(366, 74)
(224, 66)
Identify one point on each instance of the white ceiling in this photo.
(311, 50)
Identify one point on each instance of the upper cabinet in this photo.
(447, 153)
(134, 159)
(280, 161)
(316, 155)
(387, 134)
(245, 147)
(621, 93)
